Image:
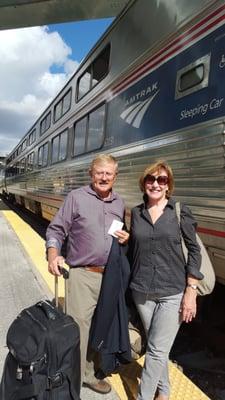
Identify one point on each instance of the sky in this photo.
(35, 64)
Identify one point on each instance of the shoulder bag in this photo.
(206, 285)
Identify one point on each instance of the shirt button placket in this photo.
(105, 229)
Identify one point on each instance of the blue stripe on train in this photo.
(148, 108)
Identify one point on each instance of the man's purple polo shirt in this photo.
(86, 219)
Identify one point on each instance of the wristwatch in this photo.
(195, 287)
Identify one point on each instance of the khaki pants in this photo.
(83, 293)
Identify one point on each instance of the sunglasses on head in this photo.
(161, 179)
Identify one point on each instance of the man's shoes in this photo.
(101, 386)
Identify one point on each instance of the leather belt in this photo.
(95, 268)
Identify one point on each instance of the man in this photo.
(85, 218)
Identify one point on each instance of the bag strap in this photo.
(178, 210)
(184, 248)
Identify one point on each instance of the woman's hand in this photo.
(123, 236)
(188, 305)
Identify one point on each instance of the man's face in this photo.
(103, 176)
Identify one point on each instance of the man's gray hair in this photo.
(103, 159)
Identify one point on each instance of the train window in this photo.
(100, 66)
(62, 106)
(63, 145)
(11, 171)
(22, 165)
(30, 162)
(84, 84)
(96, 128)
(40, 156)
(80, 136)
(98, 69)
(43, 155)
(193, 77)
(17, 168)
(58, 111)
(24, 145)
(48, 121)
(55, 149)
(32, 137)
(59, 147)
(67, 102)
(45, 123)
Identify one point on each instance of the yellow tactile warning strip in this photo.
(35, 247)
(126, 381)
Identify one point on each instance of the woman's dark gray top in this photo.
(155, 250)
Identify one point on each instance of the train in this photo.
(152, 87)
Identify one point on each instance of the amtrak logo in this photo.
(134, 114)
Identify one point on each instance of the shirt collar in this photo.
(171, 203)
(91, 191)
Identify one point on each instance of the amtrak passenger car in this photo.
(152, 87)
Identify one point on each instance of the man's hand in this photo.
(54, 261)
(123, 236)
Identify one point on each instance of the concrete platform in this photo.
(19, 285)
(25, 280)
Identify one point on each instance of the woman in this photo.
(163, 285)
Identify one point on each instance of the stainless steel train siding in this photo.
(198, 164)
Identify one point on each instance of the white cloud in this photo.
(28, 57)
(51, 83)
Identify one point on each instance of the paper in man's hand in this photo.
(115, 226)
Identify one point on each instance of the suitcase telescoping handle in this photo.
(65, 275)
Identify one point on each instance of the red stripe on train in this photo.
(150, 63)
(211, 232)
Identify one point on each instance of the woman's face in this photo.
(156, 185)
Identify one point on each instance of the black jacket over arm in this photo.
(109, 331)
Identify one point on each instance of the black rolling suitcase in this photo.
(43, 362)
